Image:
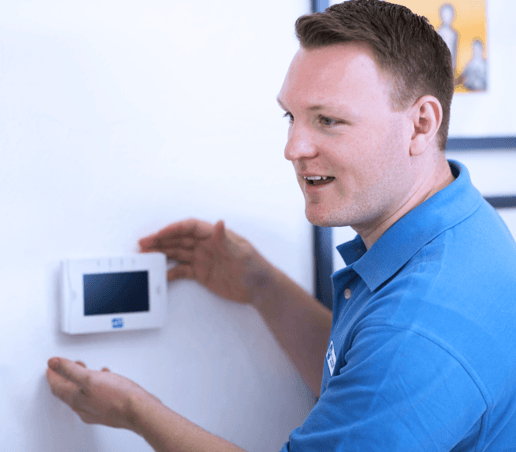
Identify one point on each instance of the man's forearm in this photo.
(298, 321)
(167, 431)
(302, 327)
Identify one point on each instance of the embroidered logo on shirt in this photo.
(331, 358)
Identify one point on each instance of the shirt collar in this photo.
(414, 230)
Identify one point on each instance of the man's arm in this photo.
(300, 323)
(167, 431)
(231, 267)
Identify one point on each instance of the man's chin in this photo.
(324, 219)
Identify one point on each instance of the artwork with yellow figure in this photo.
(462, 25)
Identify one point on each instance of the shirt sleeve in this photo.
(397, 391)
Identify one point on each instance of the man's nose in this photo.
(300, 143)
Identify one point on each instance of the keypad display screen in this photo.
(116, 293)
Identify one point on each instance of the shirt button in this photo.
(347, 294)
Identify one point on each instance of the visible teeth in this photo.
(317, 177)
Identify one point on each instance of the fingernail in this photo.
(53, 363)
(146, 241)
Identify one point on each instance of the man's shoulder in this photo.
(475, 257)
(479, 246)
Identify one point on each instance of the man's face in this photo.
(342, 127)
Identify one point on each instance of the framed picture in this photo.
(462, 25)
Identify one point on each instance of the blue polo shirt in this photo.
(422, 352)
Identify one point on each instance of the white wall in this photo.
(117, 118)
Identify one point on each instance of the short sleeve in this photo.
(397, 391)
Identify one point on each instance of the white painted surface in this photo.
(117, 118)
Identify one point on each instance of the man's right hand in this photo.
(230, 266)
(214, 256)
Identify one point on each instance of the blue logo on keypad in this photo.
(117, 322)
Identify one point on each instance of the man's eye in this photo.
(327, 121)
(289, 116)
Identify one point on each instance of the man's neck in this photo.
(433, 183)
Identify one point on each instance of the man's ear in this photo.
(426, 115)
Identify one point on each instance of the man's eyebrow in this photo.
(319, 107)
(313, 108)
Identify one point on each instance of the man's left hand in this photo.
(98, 397)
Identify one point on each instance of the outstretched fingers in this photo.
(67, 379)
(163, 243)
(73, 372)
(182, 230)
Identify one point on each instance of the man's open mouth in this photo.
(318, 180)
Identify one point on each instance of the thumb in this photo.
(73, 372)
(220, 232)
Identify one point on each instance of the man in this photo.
(419, 354)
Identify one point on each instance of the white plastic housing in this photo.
(114, 293)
